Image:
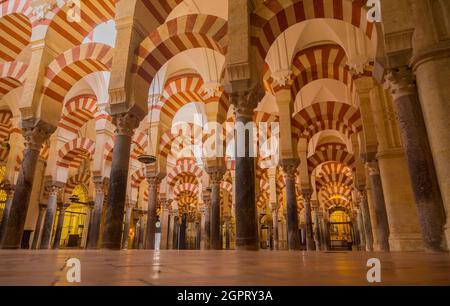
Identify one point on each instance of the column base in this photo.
(245, 245)
(406, 243)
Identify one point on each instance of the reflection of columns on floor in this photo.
(307, 193)
(227, 220)
(289, 167)
(165, 223)
(379, 206)
(172, 229)
(315, 210)
(113, 228)
(35, 134)
(153, 182)
(205, 223)
(53, 191)
(126, 228)
(215, 174)
(38, 228)
(9, 189)
(59, 226)
(94, 225)
(364, 207)
(419, 157)
(324, 230)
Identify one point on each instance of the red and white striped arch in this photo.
(330, 152)
(320, 62)
(137, 177)
(227, 186)
(71, 66)
(69, 34)
(73, 152)
(178, 35)
(77, 112)
(273, 17)
(338, 202)
(5, 130)
(161, 9)
(185, 187)
(16, 18)
(186, 166)
(74, 181)
(180, 138)
(12, 75)
(322, 116)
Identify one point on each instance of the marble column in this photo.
(38, 227)
(141, 230)
(290, 171)
(315, 209)
(324, 231)
(172, 230)
(182, 233)
(245, 206)
(126, 228)
(59, 226)
(94, 225)
(165, 205)
(357, 235)
(360, 225)
(205, 223)
(419, 157)
(364, 206)
(152, 217)
(274, 209)
(35, 134)
(9, 189)
(215, 174)
(379, 206)
(310, 245)
(50, 213)
(112, 234)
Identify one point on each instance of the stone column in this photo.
(324, 231)
(364, 206)
(165, 224)
(290, 171)
(182, 233)
(172, 230)
(315, 209)
(9, 189)
(360, 225)
(141, 230)
(53, 191)
(246, 218)
(430, 62)
(215, 174)
(126, 228)
(310, 246)
(112, 234)
(274, 209)
(94, 225)
(37, 230)
(35, 135)
(419, 157)
(205, 223)
(357, 235)
(379, 206)
(153, 182)
(59, 226)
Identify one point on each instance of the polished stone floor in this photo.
(221, 268)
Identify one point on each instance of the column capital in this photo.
(401, 82)
(165, 203)
(215, 174)
(307, 194)
(9, 190)
(373, 168)
(245, 102)
(315, 204)
(100, 184)
(153, 181)
(206, 199)
(362, 195)
(36, 134)
(53, 188)
(125, 123)
(290, 167)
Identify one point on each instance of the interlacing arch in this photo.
(178, 35)
(330, 152)
(332, 189)
(323, 116)
(336, 202)
(185, 199)
(273, 17)
(180, 188)
(74, 152)
(68, 33)
(184, 166)
(71, 66)
(16, 24)
(182, 137)
(12, 76)
(77, 112)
